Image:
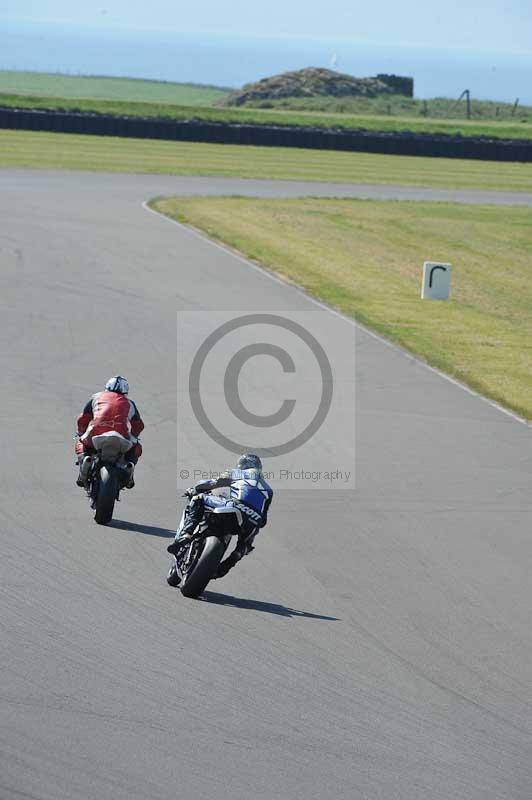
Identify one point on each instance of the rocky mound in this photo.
(316, 82)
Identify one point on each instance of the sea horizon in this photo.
(232, 61)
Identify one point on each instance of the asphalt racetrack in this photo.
(377, 645)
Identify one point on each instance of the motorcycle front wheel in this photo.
(172, 577)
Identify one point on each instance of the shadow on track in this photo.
(257, 605)
(149, 530)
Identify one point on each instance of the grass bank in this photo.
(399, 106)
(112, 154)
(346, 251)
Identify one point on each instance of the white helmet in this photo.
(117, 384)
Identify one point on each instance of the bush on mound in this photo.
(317, 82)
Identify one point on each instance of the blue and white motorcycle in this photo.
(197, 562)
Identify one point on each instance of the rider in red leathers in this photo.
(110, 410)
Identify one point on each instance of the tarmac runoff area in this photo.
(376, 645)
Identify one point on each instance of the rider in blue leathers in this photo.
(249, 493)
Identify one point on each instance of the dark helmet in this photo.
(117, 384)
(249, 461)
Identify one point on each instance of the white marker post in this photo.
(436, 281)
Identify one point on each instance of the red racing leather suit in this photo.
(109, 411)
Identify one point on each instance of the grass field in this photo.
(364, 258)
(105, 153)
(196, 107)
(80, 87)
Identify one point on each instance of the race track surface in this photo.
(377, 645)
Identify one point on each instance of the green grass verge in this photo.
(111, 154)
(79, 87)
(364, 258)
(181, 109)
(400, 106)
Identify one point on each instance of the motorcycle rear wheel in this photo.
(195, 581)
(105, 501)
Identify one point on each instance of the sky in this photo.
(445, 45)
(474, 25)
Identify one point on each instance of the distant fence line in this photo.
(412, 144)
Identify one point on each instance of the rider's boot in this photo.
(84, 466)
(193, 517)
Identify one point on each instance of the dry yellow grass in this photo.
(346, 251)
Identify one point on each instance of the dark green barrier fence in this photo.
(412, 144)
